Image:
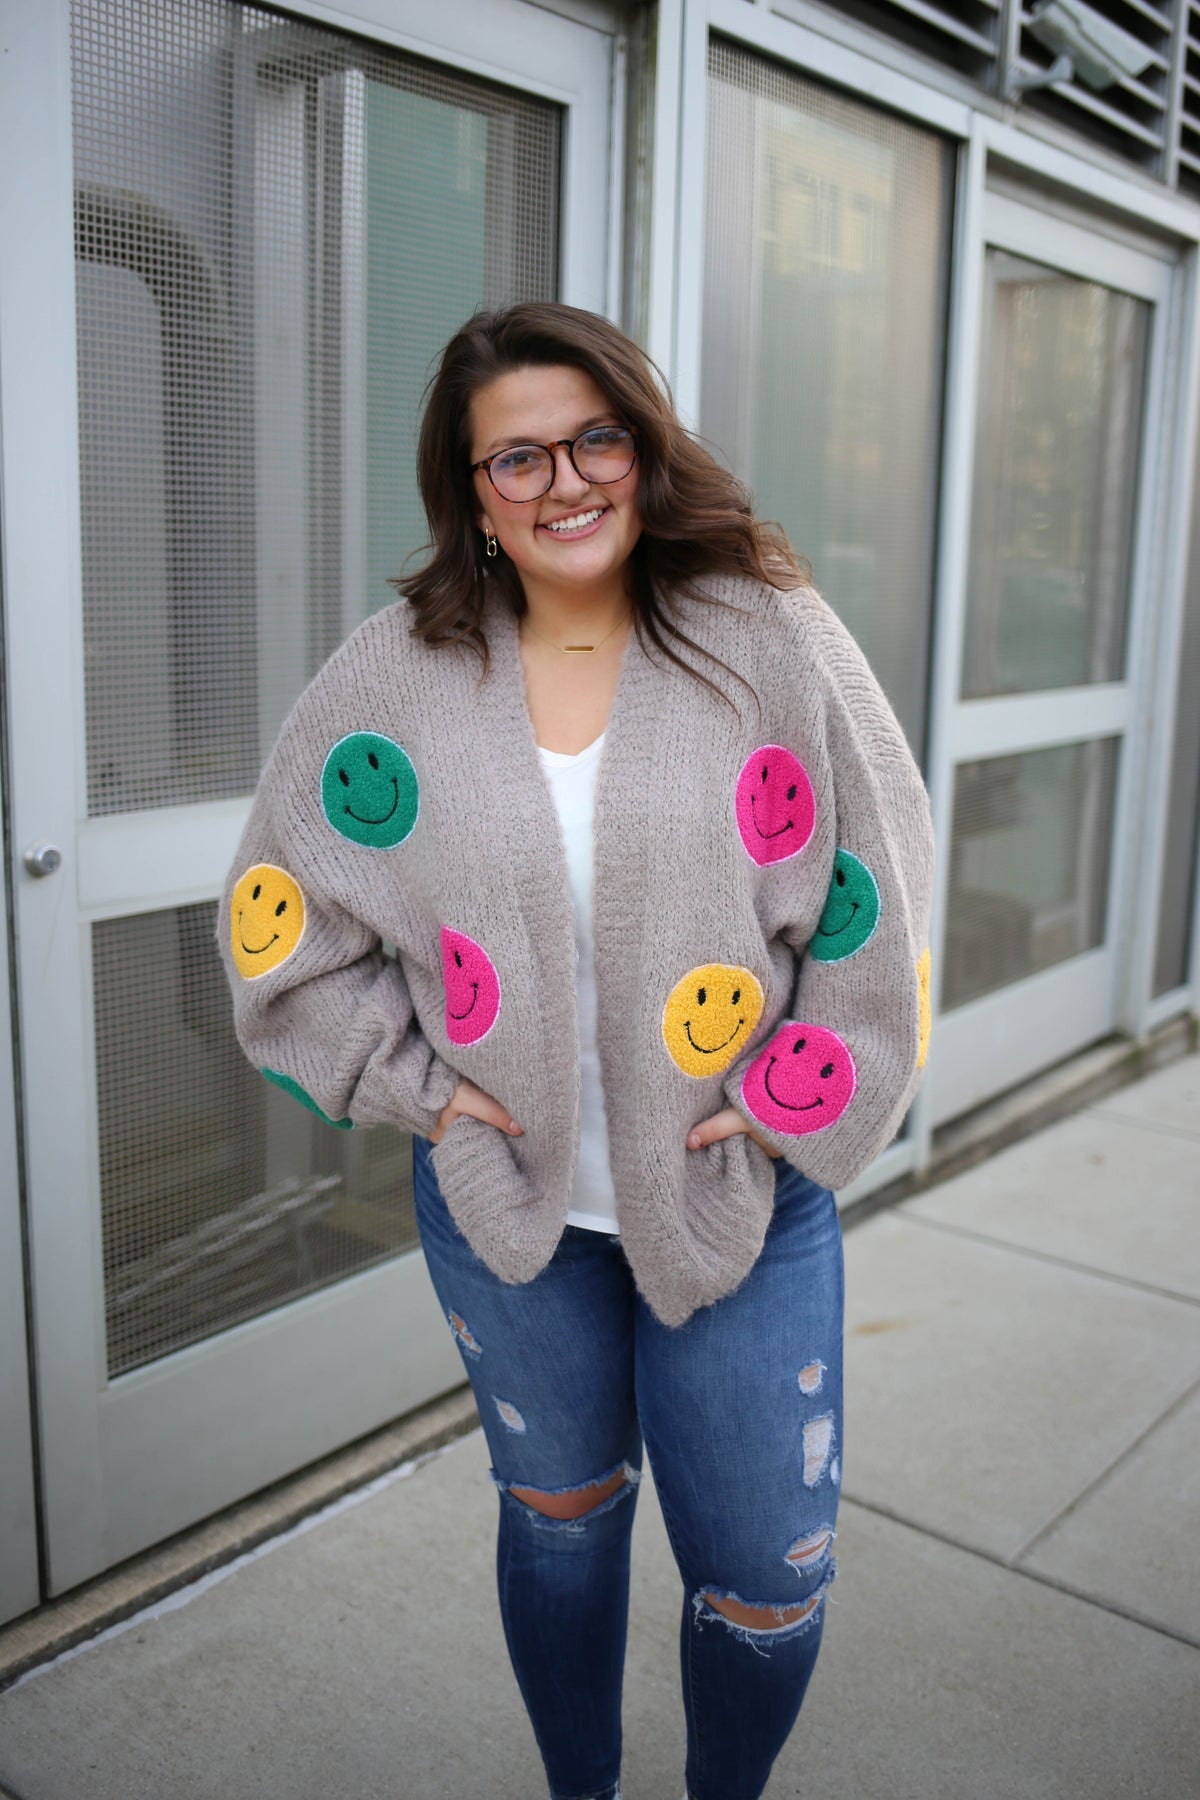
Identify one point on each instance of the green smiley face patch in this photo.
(851, 911)
(369, 790)
(297, 1092)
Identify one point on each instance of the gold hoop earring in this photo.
(492, 543)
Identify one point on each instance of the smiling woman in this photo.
(662, 802)
(578, 533)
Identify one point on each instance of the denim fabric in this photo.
(740, 1410)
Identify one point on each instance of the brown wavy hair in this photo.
(696, 517)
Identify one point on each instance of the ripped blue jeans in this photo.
(740, 1410)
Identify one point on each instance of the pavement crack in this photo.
(1048, 1256)
(1159, 1126)
(1023, 1574)
(1122, 1456)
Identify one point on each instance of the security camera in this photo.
(1084, 43)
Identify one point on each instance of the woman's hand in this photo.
(475, 1104)
(726, 1123)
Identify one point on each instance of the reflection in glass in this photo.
(1028, 864)
(1056, 460)
(826, 276)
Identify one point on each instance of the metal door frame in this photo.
(990, 1044)
(124, 1463)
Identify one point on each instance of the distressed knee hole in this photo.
(576, 1502)
(464, 1336)
(811, 1377)
(509, 1414)
(808, 1551)
(818, 1442)
(761, 1618)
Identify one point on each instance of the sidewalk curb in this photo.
(86, 1611)
(1081, 1081)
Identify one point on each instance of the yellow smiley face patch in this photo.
(924, 1007)
(266, 919)
(709, 1015)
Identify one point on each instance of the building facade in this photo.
(942, 319)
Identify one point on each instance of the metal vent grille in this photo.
(964, 35)
(1152, 119)
(220, 1196)
(1133, 116)
(1188, 150)
(276, 228)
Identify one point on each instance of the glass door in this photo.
(826, 277)
(212, 371)
(1043, 735)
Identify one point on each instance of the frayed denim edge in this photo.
(575, 1526)
(758, 1637)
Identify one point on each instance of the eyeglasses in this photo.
(526, 471)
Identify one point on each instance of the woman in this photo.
(655, 861)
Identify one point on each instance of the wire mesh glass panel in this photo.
(220, 1196)
(1029, 862)
(826, 282)
(1057, 452)
(276, 228)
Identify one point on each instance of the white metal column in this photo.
(18, 1532)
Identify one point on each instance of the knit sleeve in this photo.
(830, 1085)
(319, 1007)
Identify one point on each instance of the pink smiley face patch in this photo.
(472, 988)
(774, 804)
(802, 1081)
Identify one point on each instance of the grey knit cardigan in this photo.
(761, 912)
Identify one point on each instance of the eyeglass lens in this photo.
(527, 470)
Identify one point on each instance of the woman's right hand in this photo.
(475, 1104)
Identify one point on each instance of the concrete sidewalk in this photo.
(1018, 1611)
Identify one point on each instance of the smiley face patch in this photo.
(851, 911)
(472, 988)
(774, 804)
(369, 790)
(297, 1092)
(709, 1016)
(803, 1080)
(924, 1006)
(266, 920)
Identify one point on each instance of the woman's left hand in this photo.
(726, 1123)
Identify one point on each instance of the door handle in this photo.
(43, 859)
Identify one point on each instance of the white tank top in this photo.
(572, 782)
